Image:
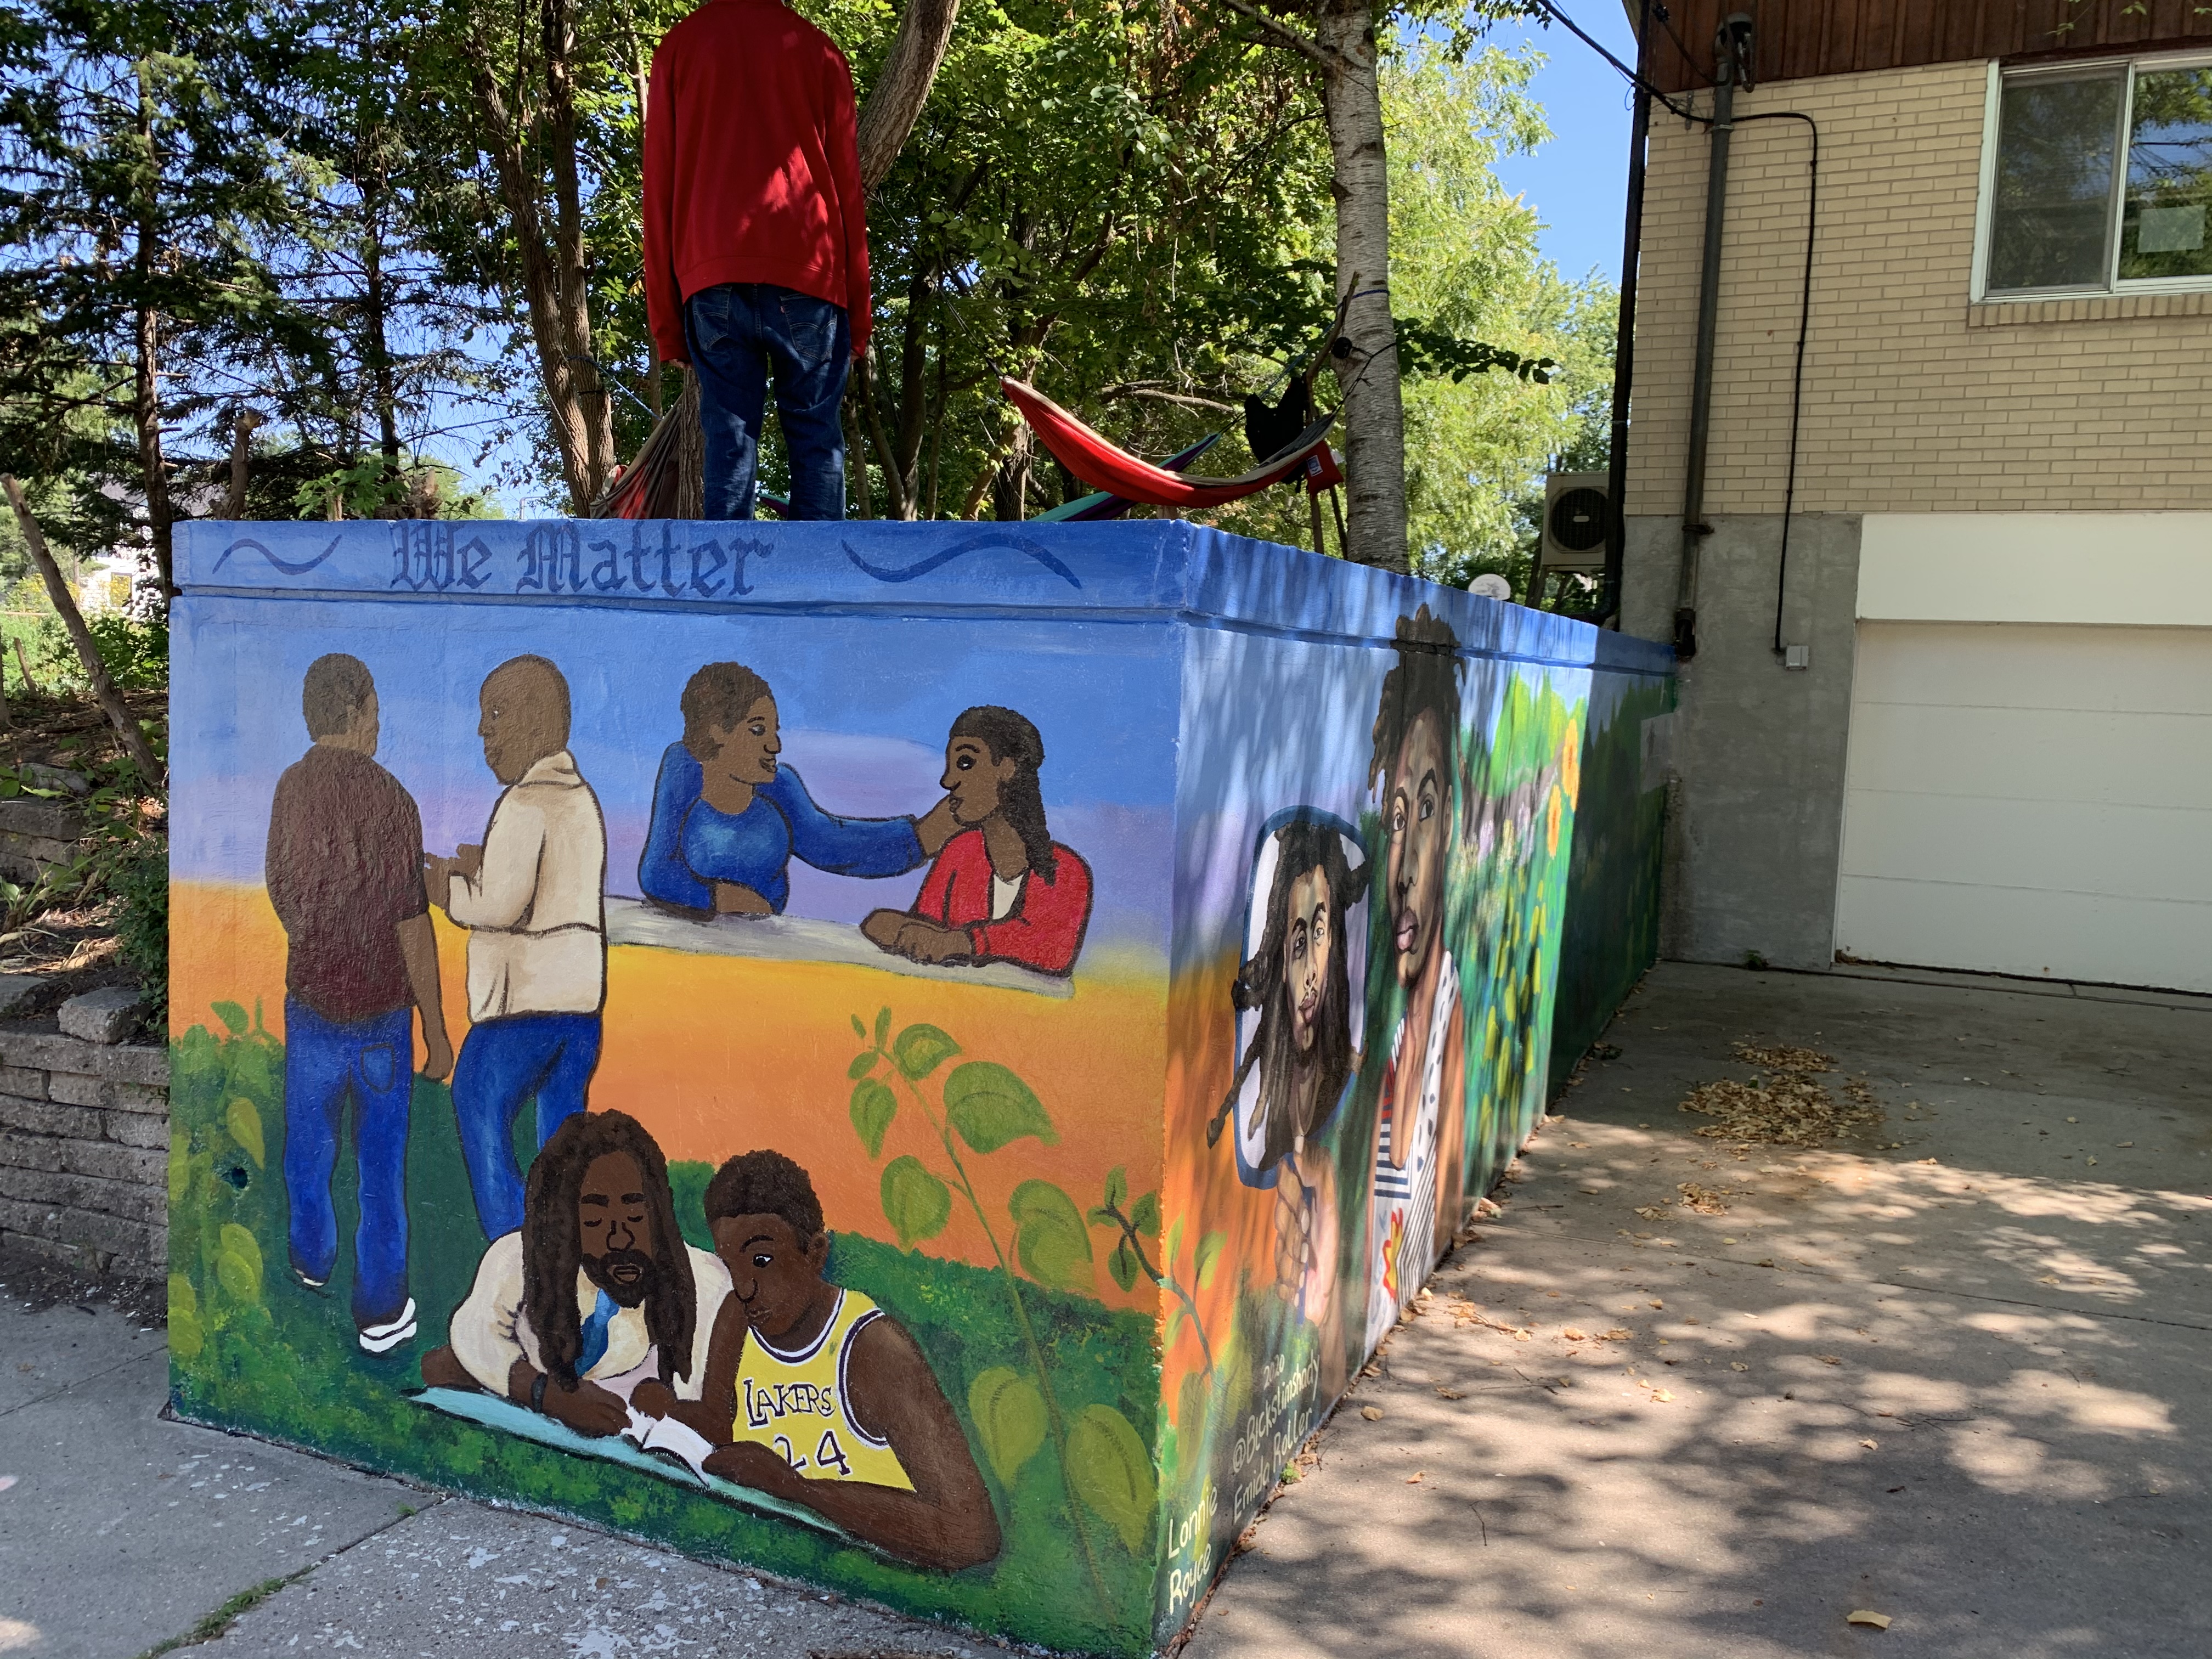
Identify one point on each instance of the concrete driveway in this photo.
(1954, 1372)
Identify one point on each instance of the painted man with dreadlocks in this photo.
(596, 1302)
(1002, 890)
(1419, 1117)
(1298, 1061)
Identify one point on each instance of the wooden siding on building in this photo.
(1799, 39)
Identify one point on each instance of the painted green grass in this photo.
(254, 1349)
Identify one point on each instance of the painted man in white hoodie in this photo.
(530, 897)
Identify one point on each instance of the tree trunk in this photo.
(241, 459)
(95, 668)
(1010, 490)
(572, 260)
(903, 85)
(559, 323)
(1374, 409)
(376, 347)
(146, 389)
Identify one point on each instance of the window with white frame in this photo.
(2098, 178)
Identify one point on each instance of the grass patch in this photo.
(219, 1622)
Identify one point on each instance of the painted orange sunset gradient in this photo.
(718, 1056)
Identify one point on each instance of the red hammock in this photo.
(1097, 463)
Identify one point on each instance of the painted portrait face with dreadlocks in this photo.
(1298, 982)
(598, 1203)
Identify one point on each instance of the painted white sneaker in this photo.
(382, 1338)
(312, 1284)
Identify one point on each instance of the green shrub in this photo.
(140, 882)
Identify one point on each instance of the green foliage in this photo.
(1010, 1419)
(1610, 932)
(915, 1202)
(286, 1364)
(243, 1120)
(986, 1106)
(1048, 1237)
(920, 1050)
(1466, 270)
(134, 650)
(872, 1110)
(990, 1106)
(1112, 1471)
(1208, 1257)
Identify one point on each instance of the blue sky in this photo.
(1578, 183)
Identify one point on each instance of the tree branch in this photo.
(1187, 401)
(1284, 35)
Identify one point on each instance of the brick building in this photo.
(1997, 753)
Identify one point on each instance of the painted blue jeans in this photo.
(737, 334)
(503, 1064)
(372, 1061)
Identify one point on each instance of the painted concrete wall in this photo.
(1082, 1210)
(1758, 750)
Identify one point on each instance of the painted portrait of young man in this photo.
(1418, 1155)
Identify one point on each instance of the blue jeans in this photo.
(735, 334)
(503, 1063)
(373, 1061)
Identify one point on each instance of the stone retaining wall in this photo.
(84, 1139)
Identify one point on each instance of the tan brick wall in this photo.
(1915, 400)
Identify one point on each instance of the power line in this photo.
(1549, 10)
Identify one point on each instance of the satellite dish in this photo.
(1491, 585)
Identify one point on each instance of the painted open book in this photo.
(657, 1446)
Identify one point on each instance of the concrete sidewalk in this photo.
(122, 1533)
(1963, 1381)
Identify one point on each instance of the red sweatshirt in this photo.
(1044, 930)
(752, 166)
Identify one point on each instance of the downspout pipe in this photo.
(1732, 61)
(1624, 348)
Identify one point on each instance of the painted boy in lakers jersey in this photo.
(815, 1395)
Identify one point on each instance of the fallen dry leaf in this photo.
(1661, 1395)
(1704, 1200)
(1869, 1445)
(1829, 1359)
(1522, 1336)
(1654, 1212)
(1414, 1479)
(1789, 1107)
(1738, 1365)
(1372, 1413)
(1657, 1304)
(1451, 1393)
(1616, 1334)
(1572, 1335)
(1879, 1620)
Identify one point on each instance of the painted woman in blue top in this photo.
(728, 817)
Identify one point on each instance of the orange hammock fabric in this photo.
(1097, 463)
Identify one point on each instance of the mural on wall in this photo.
(945, 1135)
(1416, 807)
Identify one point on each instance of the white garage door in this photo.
(2023, 799)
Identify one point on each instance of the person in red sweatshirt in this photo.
(756, 242)
(1002, 890)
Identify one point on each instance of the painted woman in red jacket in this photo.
(1002, 890)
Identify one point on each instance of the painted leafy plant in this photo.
(983, 1106)
(1136, 1222)
(219, 1277)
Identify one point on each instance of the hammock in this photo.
(1097, 463)
(1103, 504)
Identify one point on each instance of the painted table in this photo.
(967, 1036)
